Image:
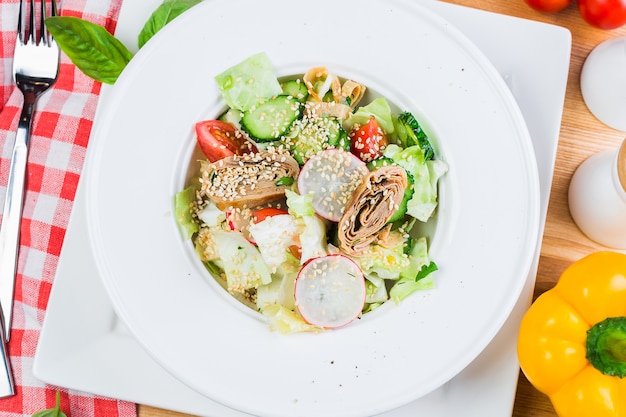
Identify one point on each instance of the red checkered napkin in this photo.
(61, 128)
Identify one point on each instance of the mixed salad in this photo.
(303, 206)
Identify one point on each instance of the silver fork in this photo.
(35, 68)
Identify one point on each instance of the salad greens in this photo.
(185, 200)
(242, 85)
(379, 108)
(99, 54)
(312, 235)
(424, 199)
(386, 181)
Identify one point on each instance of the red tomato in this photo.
(264, 213)
(603, 14)
(218, 140)
(368, 142)
(548, 6)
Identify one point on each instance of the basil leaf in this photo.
(52, 412)
(90, 47)
(165, 13)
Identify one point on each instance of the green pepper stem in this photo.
(617, 346)
(606, 346)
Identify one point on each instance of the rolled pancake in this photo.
(375, 200)
(319, 81)
(249, 180)
(352, 92)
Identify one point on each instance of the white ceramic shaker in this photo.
(603, 82)
(597, 197)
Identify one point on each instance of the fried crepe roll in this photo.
(374, 202)
(319, 81)
(352, 92)
(249, 180)
(327, 109)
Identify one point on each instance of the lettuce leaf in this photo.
(385, 262)
(375, 290)
(313, 236)
(281, 289)
(211, 215)
(300, 205)
(286, 321)
(426, 174)
(243, 264)
(379, 108)
(249, 82)
(274, 236)
(183, 203)
(412, 278)
(403, 288)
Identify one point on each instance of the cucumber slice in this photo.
(330, 291)
(340, 140)
(312, 135)
(383, 161)
(331, 176)
(231, 116)
(271, 119)
(328, 97)
(296, 89)
(408, 194)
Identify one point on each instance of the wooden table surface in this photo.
(581, 136)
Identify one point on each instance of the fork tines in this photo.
(27, 29)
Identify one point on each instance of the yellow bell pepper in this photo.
(572, 340)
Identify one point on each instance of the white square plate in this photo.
(84, 346)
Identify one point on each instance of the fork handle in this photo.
(7, 385)
(11, 216)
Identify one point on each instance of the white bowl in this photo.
(485, 237)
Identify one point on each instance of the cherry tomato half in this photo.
(264, 213)
(548, 6)
(218, 140)
(368, 142)
(603, 14)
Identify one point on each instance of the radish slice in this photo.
(331, 176)
(330, 291)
